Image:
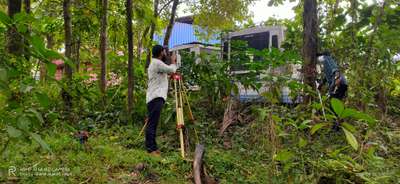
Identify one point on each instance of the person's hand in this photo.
(337, 79)
(337, 82)
(173, 58)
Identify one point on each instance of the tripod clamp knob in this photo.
(176, 76)
(180, 126)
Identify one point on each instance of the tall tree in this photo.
(130, 55)
(171, 23)
(27, 6)
(15, 39)
(152, 29)
(68, 47)
(310, 43)
(103, 47)
(26, 42)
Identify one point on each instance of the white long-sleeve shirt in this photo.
(157, 85)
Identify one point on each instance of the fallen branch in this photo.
(198, 164)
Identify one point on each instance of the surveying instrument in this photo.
(181, 104)
(181, 100)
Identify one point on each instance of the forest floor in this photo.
(116, 154)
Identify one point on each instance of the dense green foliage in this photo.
(358, 141)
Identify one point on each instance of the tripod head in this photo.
(176, 76)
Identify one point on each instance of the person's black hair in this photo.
(157, 50)
(326, 53)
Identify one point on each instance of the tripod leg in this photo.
(179, 117)
(190, 113)
(182, 143)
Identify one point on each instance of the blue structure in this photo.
(182, 34)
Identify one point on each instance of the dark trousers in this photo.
(341, 92)
(154, 111)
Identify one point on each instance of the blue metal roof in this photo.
(184, 34)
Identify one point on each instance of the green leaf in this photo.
(13, 132)
(349, 127)
(235, 89)
(23, 122)
(38, 44)
(43, 99)
(39, 140)
(3, 75)
(317, 127)
(25, 88)
(22, 28)
(69, 62)
(362, 116)
(4, 18)
(37, 115)
(305, 124)
(351, 139)
(284, 156)
(51, 69)
(349, 112)
(52, 54)
(276, 118)
(337, 106)
(302, 142)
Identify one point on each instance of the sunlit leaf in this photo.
(302, 142)
(284, 155)
(351, 139)
(317, 127)
(305, 124)
(349, 127)
(337, 106)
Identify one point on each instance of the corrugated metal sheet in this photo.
(184, 34)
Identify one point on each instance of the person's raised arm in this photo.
(164, 68)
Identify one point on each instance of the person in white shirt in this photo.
(156, 95)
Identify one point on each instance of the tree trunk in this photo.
(15, 43)
(103, 48)
(68, 47)
(28, 6)
(26, 41)
(139, 47)
(309, 43)
(77, 54)
(152, 30)
(50, 44)
(171, 23)
(130, 56)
